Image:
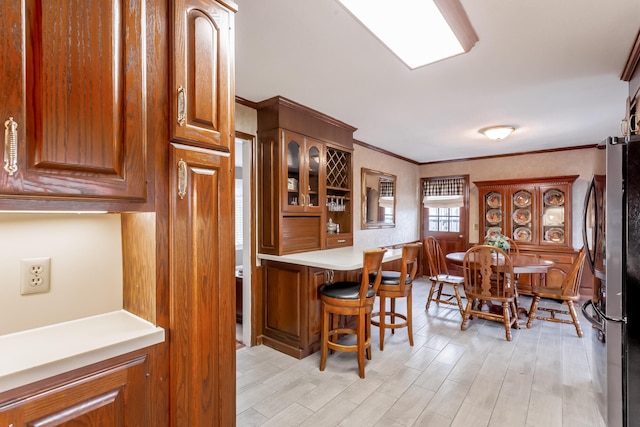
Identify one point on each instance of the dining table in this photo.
(522, 264)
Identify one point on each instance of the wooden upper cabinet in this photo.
(73, 83)
(202, 84)
(303, 174)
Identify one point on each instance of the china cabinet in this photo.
(536, 214)
(304, 179)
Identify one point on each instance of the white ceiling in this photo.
(551, 68)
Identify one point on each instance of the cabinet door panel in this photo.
(202, 311)
(73, 81)
(202, 94)
(114, 397)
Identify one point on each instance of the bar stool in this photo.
(351, 299)
(397, 284)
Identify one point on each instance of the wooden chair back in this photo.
(410, 255)
(435, 257)
(372, 263)
(513, 246)
(571, 283)
(480, 265)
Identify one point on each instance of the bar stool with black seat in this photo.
(397, 284)
(351, 299)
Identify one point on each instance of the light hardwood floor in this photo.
(448, 378)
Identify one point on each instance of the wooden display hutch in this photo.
(536, 214)
(304, 179)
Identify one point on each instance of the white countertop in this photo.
(342, 259)
(39, 353)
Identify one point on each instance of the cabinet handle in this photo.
(182, 178)
(181, 106)
(11, 146)
(342, 240)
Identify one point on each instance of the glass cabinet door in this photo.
(522, 214)
(294, 166)
(313, 184)
(493, 213)
(553, 216)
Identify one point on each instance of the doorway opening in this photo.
(245, 243)
(445, 213)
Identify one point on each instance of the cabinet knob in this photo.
(10, 146)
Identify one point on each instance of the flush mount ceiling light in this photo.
(497, 133)
(419, 32)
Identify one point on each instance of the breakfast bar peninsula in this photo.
(292, 312)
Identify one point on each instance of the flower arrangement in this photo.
(497, 240)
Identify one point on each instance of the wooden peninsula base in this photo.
(292, 310)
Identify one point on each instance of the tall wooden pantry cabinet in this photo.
(201, 212)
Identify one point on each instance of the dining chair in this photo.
(351, 299)
(568, 293)
(439, 277)
(513, 246)
(393, 285)
(488, 279)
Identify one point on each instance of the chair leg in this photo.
(410, 319)
(576, 322)
(360, 343)
(440, 290)
(335, 322)
(532, 310)
(457, 291)
(383, 318)
(506, 320)
(393, 314)
(324, 338)
(465, 316)
(368, 337)
(430, 297)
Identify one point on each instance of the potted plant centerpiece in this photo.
(498, 240)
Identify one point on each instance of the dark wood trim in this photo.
(380, 150)
(524, 153)
(246, 103)
(520, 181)
(632, 61)
(305, 110)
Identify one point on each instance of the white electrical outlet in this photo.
(35, 275)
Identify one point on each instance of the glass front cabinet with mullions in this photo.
(535, 213)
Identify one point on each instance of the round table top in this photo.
(521, 263)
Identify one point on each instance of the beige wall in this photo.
(571, 162)
(86, 267)
(407, 227)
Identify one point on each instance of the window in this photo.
(444, 219)
(238, 213)
(444, 198)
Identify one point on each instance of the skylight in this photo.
(419, 32)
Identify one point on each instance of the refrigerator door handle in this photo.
(590, 317)
(599, 312)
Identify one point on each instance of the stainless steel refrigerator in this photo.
(611, 232)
